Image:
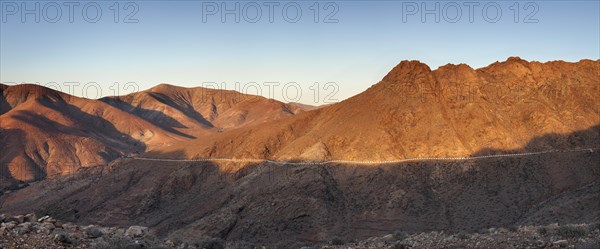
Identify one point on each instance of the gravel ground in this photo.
(580, 236)
(28, 231)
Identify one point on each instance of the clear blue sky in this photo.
(171, 43)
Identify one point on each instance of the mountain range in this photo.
(90, 161)
(413, 111)
(418, 112)
(45, 133)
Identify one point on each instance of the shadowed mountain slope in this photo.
(194, 110)
(268, 203)
(44, 132)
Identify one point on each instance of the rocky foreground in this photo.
(580, 236)
(28, 231)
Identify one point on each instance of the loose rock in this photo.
(62, 238)
(136, 231)
(561, 243)
(30, 218)
(92, 232)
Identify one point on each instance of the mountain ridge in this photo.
(413, 111)
(410, 96)
(45, 133)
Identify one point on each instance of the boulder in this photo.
(136, 231)
(388, 237)
(107, 230)
(561, 243)
(169, 243)
(92, 232)
(46, 228)
(30, 217)
(69, 226)
(44, 218)
(8, 225)
(62, 238)
(23, 228)
(18, 219)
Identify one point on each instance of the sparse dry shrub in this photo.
(463, 236)
(588, 245)
(210, 243)
(399, 235)
(400, 245)
(336, 241)
(112, 243)
(240, 245)
(572, 231)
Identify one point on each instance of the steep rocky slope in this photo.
(44, 133)
(416, 112)
(191, 111)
